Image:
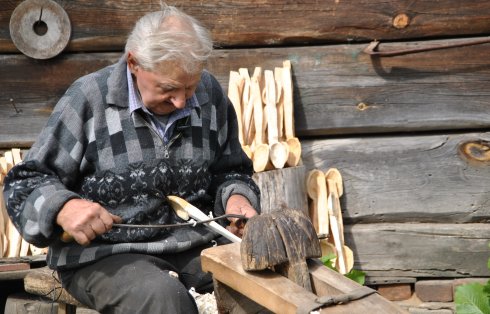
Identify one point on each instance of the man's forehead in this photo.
(171, 72)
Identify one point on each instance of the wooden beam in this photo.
(408, 178)
(104, 25)
(337, 89)
(434, 250)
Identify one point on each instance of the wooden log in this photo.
(26, 107)
(25, 303)
(417, 178)
(282, 188)
(44, 281)
(337, 89)
(420, 249)
(96, 24)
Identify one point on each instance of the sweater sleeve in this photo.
(36, 189)
(232, 170)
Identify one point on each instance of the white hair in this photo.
(169, 35)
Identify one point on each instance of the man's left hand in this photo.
(239, 205)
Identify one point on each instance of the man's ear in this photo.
(132, 63)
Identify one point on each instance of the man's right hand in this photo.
(84, 220)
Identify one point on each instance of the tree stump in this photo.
(282, 188)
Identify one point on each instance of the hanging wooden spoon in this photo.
(260, 156)
(247, 107)
(333, 180)
(278, 153)
(317, 191)
(293, 142)
(334, 226)
(235, 87)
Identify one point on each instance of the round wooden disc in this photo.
(55, 31)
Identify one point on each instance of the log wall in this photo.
(410, 134)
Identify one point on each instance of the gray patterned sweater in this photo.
(93, 147)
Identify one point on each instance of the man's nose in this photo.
(178, 99)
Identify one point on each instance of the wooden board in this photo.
(420, 250)
(337, 89)
(279, 294)
(9, 267)
(103, 25)
(407, 178)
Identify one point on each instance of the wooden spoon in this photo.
(235, 87)
(3, 220)
(278, 152)
(247, 107)
(260, 156)
(334, 226)
(13, 236)
(335, 186)
(317, 191)
(293, 142)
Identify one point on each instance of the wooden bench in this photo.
(44, 282)
(238, 291)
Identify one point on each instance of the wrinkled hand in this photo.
(84, 220)
(238, 204)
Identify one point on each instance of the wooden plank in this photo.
(420, 249)
(337, 89)
(327, 283)
(99, 25)
(417, 178)
(9, 267)
(279, 294)
(265, 287)
(31, 88)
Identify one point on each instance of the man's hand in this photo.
(238, 204)
(84, 220)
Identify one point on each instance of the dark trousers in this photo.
(138, 283)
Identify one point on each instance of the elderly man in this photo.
(117, 143)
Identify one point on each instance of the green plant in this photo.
(356, 275)
(473, 298)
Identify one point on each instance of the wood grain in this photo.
(407, 178)
(103, 25)
(337, 89)
(283, 188)
(279, 294)
(44, 282)
(420, 250)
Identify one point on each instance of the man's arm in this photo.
(236, 192)
(38, 188)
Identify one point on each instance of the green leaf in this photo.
(357, 275)
(471, 299)
(327, 260)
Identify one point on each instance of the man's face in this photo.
(165, 89)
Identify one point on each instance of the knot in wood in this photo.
(476, 151)
(362, 106)
(401, 21)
